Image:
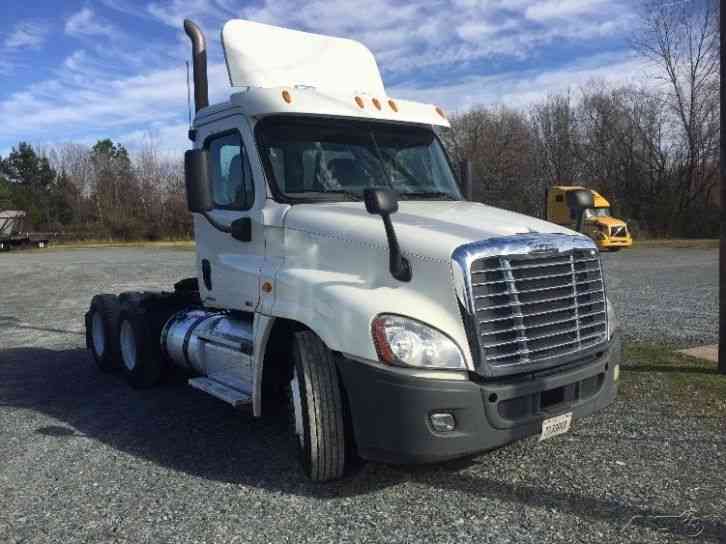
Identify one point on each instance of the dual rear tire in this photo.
(101, 332)
(120, 338)
(139, 348)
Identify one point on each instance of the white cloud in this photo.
(522, 89)
(557, 9)
(173, 12)
(27, 34)
(436, 51)
(86, 23)
(114, 106)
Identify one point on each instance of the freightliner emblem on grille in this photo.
(540, 248)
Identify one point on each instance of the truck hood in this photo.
(608, 221)
(429, 229)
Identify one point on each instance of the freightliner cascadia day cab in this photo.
(343, 278)
(609, 233)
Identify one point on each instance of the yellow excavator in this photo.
(609, 233)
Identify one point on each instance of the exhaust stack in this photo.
(199, 64)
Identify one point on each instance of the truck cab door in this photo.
(229, 268)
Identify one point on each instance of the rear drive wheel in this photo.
(140, 354)
(101, 332)
(316, 409)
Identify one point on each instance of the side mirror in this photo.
(579, 200)
(381, 201)
(384, 202)
(465, 177)
(241, 229)
(199, 195)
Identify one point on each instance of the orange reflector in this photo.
(393, 105)
(377, 103)
(267, 287)
(359, 101)
(286, 96)
(440, 112)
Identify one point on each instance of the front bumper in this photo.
(390, 411)
(608, 242)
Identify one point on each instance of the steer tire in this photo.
(316, 409)
(102, 332)
(141, 357)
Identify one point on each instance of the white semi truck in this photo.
(342, 276)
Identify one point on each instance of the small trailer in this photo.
(12, 235)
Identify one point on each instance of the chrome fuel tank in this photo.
(211, 343)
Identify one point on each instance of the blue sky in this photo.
(80, 70)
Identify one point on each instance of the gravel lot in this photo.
(84, 458)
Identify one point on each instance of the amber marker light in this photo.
(359, 101)
(385, 354)
(393, 105)
(377, 104)
(440, 112)
(267, 287)
(286, 96)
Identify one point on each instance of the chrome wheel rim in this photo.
(297, 407)
(128, 345)
(98, 335)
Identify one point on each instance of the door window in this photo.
(230, 173)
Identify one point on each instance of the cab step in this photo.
(222, 391)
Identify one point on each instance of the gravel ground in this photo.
(84, 458)
(665, 296)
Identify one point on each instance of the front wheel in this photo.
(316, 406)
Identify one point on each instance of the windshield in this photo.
(318, 159)
(597, 212)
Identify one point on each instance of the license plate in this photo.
(555, 425)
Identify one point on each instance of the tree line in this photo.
(651, 149)
(96, 192)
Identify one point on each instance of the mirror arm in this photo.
(399, 265)
(216, 224)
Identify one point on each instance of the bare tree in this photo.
(681, 39)
(556, 127)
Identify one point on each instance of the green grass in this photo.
(174, 244)
(694, 386)
(704, 243)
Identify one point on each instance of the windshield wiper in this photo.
(435, 195)
(350, 194)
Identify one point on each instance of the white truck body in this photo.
(326, 267)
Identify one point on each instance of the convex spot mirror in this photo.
(196, 177)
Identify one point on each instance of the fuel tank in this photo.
(210, 343)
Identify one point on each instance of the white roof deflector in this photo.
(260, 55)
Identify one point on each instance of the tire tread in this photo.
(324, 408)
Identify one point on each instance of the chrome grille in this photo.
(532, 309)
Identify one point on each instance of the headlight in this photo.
(612, 319)
(406, 342)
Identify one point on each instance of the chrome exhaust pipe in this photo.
(199, 64)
